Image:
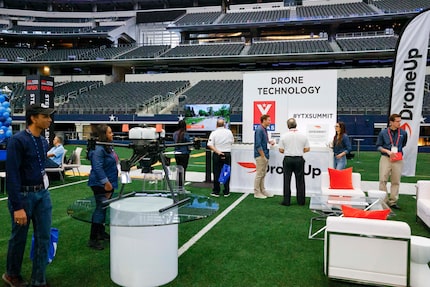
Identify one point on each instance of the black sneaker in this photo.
(215, 194)
(104, 236)
(14, 281)
(226, 194)
(95, 244)
(395, 206)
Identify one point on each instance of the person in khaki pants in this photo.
(261, 155)
(390, 144)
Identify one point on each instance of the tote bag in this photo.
(52, 245)
(225, 174)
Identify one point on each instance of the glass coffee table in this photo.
(195, 208)
(330, 205)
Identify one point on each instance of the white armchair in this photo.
(356, 183)
(368, 251)
(423, 201)
(76, 161)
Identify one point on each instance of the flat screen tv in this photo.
(203, 117)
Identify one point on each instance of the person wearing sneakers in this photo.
(220, 142)
(293, 145)
(28, 197)
(103, 180)
(261, 155)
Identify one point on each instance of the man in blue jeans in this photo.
(28, 197)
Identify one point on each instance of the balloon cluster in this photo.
(5, 118)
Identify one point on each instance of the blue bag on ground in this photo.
(52, 245)
(225, 174)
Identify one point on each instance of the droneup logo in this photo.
(262, 108)
(251, 167)
(407, 128)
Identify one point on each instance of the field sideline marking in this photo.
(208, 227)
(55, 187)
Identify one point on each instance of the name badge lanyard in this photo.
(42, 169)
(391, 138)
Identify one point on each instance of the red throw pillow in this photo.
(340, 179)
(349, 211)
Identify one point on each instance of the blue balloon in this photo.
(2, 110)
(6, 115)
(6, 104)
(8, 133)
(2, 98)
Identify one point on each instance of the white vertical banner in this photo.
(407, 86)
(308, 96)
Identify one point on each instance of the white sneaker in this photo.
(260, 196)
(268, 194)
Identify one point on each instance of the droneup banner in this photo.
(308, 96)
(407, 86)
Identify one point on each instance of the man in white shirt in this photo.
(293, 145)
(220, 142)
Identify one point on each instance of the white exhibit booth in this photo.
(243, 169)
(308, 96)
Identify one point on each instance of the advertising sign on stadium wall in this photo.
(308, 96)
(407, 86)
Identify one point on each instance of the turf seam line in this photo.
(208, 227)
(55, 187)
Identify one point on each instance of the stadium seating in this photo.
(144, 52)
(389, 6)
(216, 92)
(17, 54)
(290, 47)
(334, 10)
(205, 50)
(120, 98)
(108, 53)
(203, 18)
(63, 55)
(255, 17)
(367, 43)
(370, 94)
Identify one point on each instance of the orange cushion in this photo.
(340, 179)
(349, 211)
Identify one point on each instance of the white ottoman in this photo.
(420, 249)
(377, 194)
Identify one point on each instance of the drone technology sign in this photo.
(308, 96)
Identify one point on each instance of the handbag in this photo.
(52, 245)
(225, 174)
(398, 156)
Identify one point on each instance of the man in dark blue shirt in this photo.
(390, 143)
(261, 155)
(28, 197)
